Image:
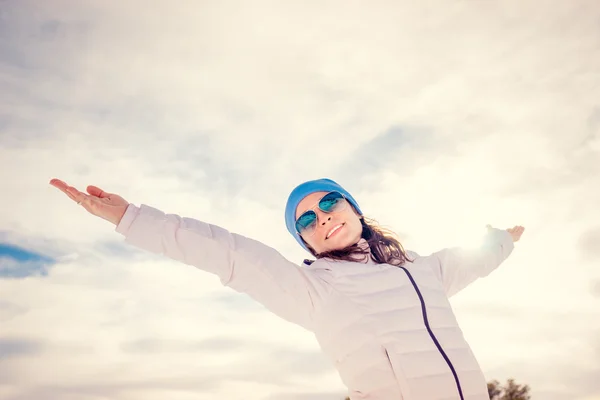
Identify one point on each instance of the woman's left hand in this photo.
(516, 232)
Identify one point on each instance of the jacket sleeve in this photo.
(242, 264)
(458, 267)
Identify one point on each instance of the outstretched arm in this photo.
(458, 267)
(243, 264)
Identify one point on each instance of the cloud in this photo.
(109, 389)
(10, 310)
(398, 148)
(568, 379)
(158, 346)
(595, 288)
(589, 243)
(16, 262)
(438, 119)
(302, 362)
(16, 347)
(308, 396)
(90, 307)
(266, 357)
(19, 254)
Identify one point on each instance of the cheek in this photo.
(357, 227)
(354, 219)
(313, 243)
(354, 231)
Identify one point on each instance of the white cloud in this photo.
(439, 117)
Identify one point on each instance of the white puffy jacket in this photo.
(390, 331)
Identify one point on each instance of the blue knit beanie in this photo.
(303, 190)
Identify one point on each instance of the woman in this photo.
(380, 313)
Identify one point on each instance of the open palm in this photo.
(516, 232)
(96, 201)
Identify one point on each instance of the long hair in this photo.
(384, 247)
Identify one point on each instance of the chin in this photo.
(341, 244)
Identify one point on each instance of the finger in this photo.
(518, 233)
(76, 194)
(83, 200)
(96, 191)
(63, 187)
(57, 183)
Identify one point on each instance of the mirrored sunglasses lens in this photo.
(307, 222)
(332, 202)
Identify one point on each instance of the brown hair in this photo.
(384, 247)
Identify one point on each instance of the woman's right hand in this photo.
(108, 206)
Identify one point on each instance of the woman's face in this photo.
(326, 237)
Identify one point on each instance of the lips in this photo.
(334, 230)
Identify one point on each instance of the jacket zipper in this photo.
(432, 335)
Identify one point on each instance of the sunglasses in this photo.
(306, 224)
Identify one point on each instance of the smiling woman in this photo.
(381, 314)
(331, 225)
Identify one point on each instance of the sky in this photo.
(438, 116)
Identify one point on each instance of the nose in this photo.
(323, 218)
